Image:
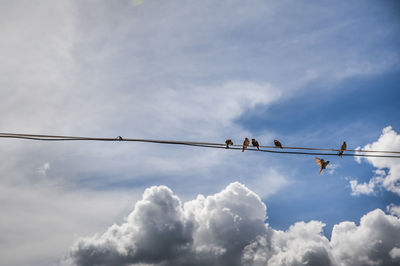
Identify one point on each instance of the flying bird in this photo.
(254, 142)
(245, 144)
(228, 142)
(342, 149)
(278, 144)
(322, 163)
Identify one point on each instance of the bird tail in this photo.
(227, 146)
(320, 171)
(340, 154)
(244, 147)
(258, 147)
(281, 147)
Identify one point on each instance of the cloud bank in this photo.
(228, 228)
(387, 174)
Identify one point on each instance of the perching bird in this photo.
(245, 144)
(254, 142)
(342, 149)
(278, 144)
(321, 163)
(228, 142)
(119, 138)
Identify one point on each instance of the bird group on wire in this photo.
(321, 162)
(288, 150)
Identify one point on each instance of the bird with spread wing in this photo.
(322, 163)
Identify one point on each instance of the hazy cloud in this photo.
(44, 168)
(395, 254)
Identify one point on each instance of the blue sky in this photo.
(309, 73)
(355, 105)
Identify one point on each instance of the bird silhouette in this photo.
(342, 149)
(245, 144)
(228, 142)
(119, 138)
(254, 142)
(322, 163)
(278, 144)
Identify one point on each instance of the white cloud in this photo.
(211, 229)
(358, 158)
(228, 229)
(363, 188)
(302, 244)
(369, 243)
(84, 68)
(331, 168)
(393, 209)
(44, 168)
(395, 253)
(387, 174)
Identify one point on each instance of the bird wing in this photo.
(319, 161)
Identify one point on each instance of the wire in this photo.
(50, 137)
(197, 144)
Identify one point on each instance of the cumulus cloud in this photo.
(155, 231)
(387, 174)
(209, 230)
(302, 244)
(228, 228)
(369, 243)
(363, 188)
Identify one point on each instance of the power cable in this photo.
(198, 144)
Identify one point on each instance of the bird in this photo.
(245, 144)
(278, 144)
(322, 163)
(119, 138)
(342, 149)
(254, 142)
(228, 142)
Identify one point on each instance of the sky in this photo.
(309, 73)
